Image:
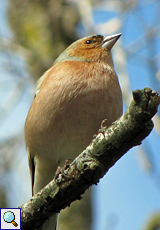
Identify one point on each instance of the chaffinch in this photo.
(72, 98)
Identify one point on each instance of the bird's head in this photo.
(91, 48)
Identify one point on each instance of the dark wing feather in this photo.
(32, 170)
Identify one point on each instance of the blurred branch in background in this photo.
(44, 28)
(153, 223)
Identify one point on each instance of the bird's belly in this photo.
(63, 126)
(78, 121)
(70, 132)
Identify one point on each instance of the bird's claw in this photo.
(60, 174)
(103, 126)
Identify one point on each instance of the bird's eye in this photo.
(88, 41)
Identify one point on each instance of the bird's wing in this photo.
(40, 80)
(32, 169)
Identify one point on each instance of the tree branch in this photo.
(105, 149)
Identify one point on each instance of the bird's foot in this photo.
(60, 174)
(103, 126)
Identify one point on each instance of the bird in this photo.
(72, 98)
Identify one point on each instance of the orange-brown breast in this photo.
(67, 113)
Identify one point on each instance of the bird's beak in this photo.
(109, 41)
